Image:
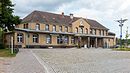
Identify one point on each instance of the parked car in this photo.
(116, 46)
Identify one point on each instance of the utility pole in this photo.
(121, 21)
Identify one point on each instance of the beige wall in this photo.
(77, 24)
(42, 27)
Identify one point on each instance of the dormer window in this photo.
(37, 27)
(47, 27)
(54, 28)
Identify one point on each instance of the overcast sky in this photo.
(104, 11)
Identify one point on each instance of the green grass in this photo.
(6, 53)
(122, 49)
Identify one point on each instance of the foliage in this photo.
(122, 49)
(7, 17)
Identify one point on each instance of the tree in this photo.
(7, 17)
(127, 35)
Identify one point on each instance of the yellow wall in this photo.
(77, 24)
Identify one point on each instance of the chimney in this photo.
(62, 14)
(71, 16)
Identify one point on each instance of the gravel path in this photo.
(85, 60)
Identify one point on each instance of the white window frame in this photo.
(76, 30)
(60, 28)
(20, 37)
(46, 27)
(48, 39)
(35, 38)
(37, 27)
(66, 29)
(54, 28)
(81, 30)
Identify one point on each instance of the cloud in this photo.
(104, 11)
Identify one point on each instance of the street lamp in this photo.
(121, 21)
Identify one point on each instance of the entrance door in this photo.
(92, 42)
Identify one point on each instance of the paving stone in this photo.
(85, 60)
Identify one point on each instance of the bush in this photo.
(2, 46)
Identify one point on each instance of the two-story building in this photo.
(43, 29)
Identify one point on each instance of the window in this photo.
(37, 26)
(94, 31)
(106, 32)
(81, 30)
(103, 32)
(48, 39)
(59, 39)
(60, 28)
(47, 27)
(35, 38)
(76, 30)
(20, 38)
(90, 31)
(66, 29)
(25, 26)
(86, 31)
(72, 40)
(66, 40)
(54, 28)
(99, 32)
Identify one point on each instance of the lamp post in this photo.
(12, 41)
(121, 21)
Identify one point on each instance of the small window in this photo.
(47, 27)
(86, 31)
(35, 38)
(90, 31)
(72, 40)
(54, 28)
(103, 32)
(60, 28)
(81, 30)
(20, 38)
(66, 29)
(37, 26)
(76, 30)
(48, 39)
(99, 32)
(25, 26)
(94, 31)
(66, 40)
(106, 32)
(59, 39)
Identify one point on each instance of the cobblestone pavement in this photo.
(25, 62)
(85, 60)
(4, 64)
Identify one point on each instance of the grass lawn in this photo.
(6, 53)
(122, 49)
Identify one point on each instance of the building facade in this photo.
(42, 30)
